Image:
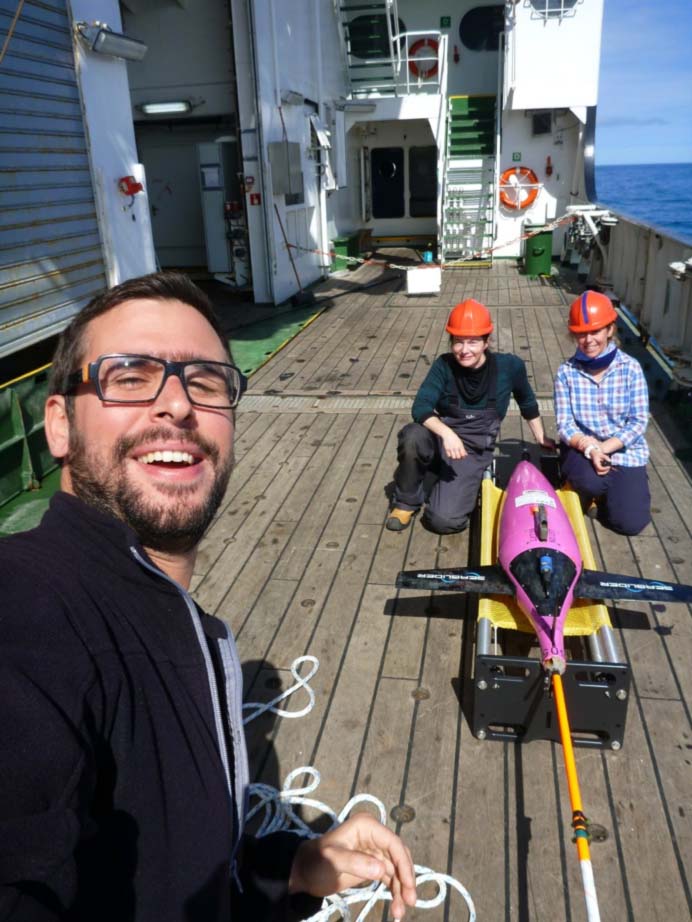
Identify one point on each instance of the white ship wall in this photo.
(286, 54)
(554, 194)
(189, 56)
(380, 134)
(553, 62)
(287, 59)
(124, 225)
(476, 71)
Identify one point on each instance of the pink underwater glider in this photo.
(539, 562)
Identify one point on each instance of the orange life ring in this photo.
(413, 51)
(523, 191)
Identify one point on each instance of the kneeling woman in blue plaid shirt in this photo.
(602, 410)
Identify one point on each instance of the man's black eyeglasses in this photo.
(127, 378)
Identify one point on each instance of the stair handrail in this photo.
(442, 143)
(499, 106)
(392, 13)
(510, 47)
(342, 43)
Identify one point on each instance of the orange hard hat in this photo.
(590, 312)
(470, 318)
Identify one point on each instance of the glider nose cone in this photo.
(554, 663)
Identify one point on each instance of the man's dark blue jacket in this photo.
(114, 801)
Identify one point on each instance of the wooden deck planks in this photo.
(298, 562)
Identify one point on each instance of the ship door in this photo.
(387, 178)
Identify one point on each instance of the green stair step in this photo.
(469, 150)
(466, 105)
(457, 124)
(471, 134)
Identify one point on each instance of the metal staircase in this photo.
(468, 202)
(371, 44)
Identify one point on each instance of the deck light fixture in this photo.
(173, 107)
(101, 39)
(358, 106)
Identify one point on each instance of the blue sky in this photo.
(645, 95)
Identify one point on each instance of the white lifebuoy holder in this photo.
(519, 187)
(431, 46)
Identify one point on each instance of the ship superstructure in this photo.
(386, 121)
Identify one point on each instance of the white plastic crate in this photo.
(423, 280)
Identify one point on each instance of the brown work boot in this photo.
(399, 519)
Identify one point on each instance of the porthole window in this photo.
(368, 36)
(480, 28)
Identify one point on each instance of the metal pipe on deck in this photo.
(595, 646)
(483, 635)
(611, 648)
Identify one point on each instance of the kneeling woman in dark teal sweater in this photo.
(457, 414)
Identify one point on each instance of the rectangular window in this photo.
(387, 178)
(322, 141)
(422, 182)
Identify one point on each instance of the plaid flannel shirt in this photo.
(616, 406)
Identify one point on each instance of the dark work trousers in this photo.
(453, 497)
(622, 495)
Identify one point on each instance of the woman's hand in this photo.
(453, 446)
(599, 459)
(548, 443)
(601, 462)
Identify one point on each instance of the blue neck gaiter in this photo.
(599, 362)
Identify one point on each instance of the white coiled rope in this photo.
(301, 682)
(280, 816)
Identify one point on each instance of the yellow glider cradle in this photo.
(584, 617)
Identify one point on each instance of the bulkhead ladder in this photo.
(370, 40)
(468, 205)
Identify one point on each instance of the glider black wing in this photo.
(490, 580)
(594, 584)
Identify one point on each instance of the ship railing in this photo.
(403, 80)
(553, 9)
(407, 80)
(650, 271)
(392, 19)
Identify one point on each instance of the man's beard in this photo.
(173, 529)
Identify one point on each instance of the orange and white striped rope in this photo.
(362, 261)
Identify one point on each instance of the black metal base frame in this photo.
(513, 700)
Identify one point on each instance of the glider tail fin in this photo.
(490, 580)
(595, 584)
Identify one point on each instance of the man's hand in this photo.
(361, 849)
(453, 446)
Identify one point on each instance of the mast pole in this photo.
(579, 822)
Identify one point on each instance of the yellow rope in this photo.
(28, 374)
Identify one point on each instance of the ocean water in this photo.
(658, 194)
